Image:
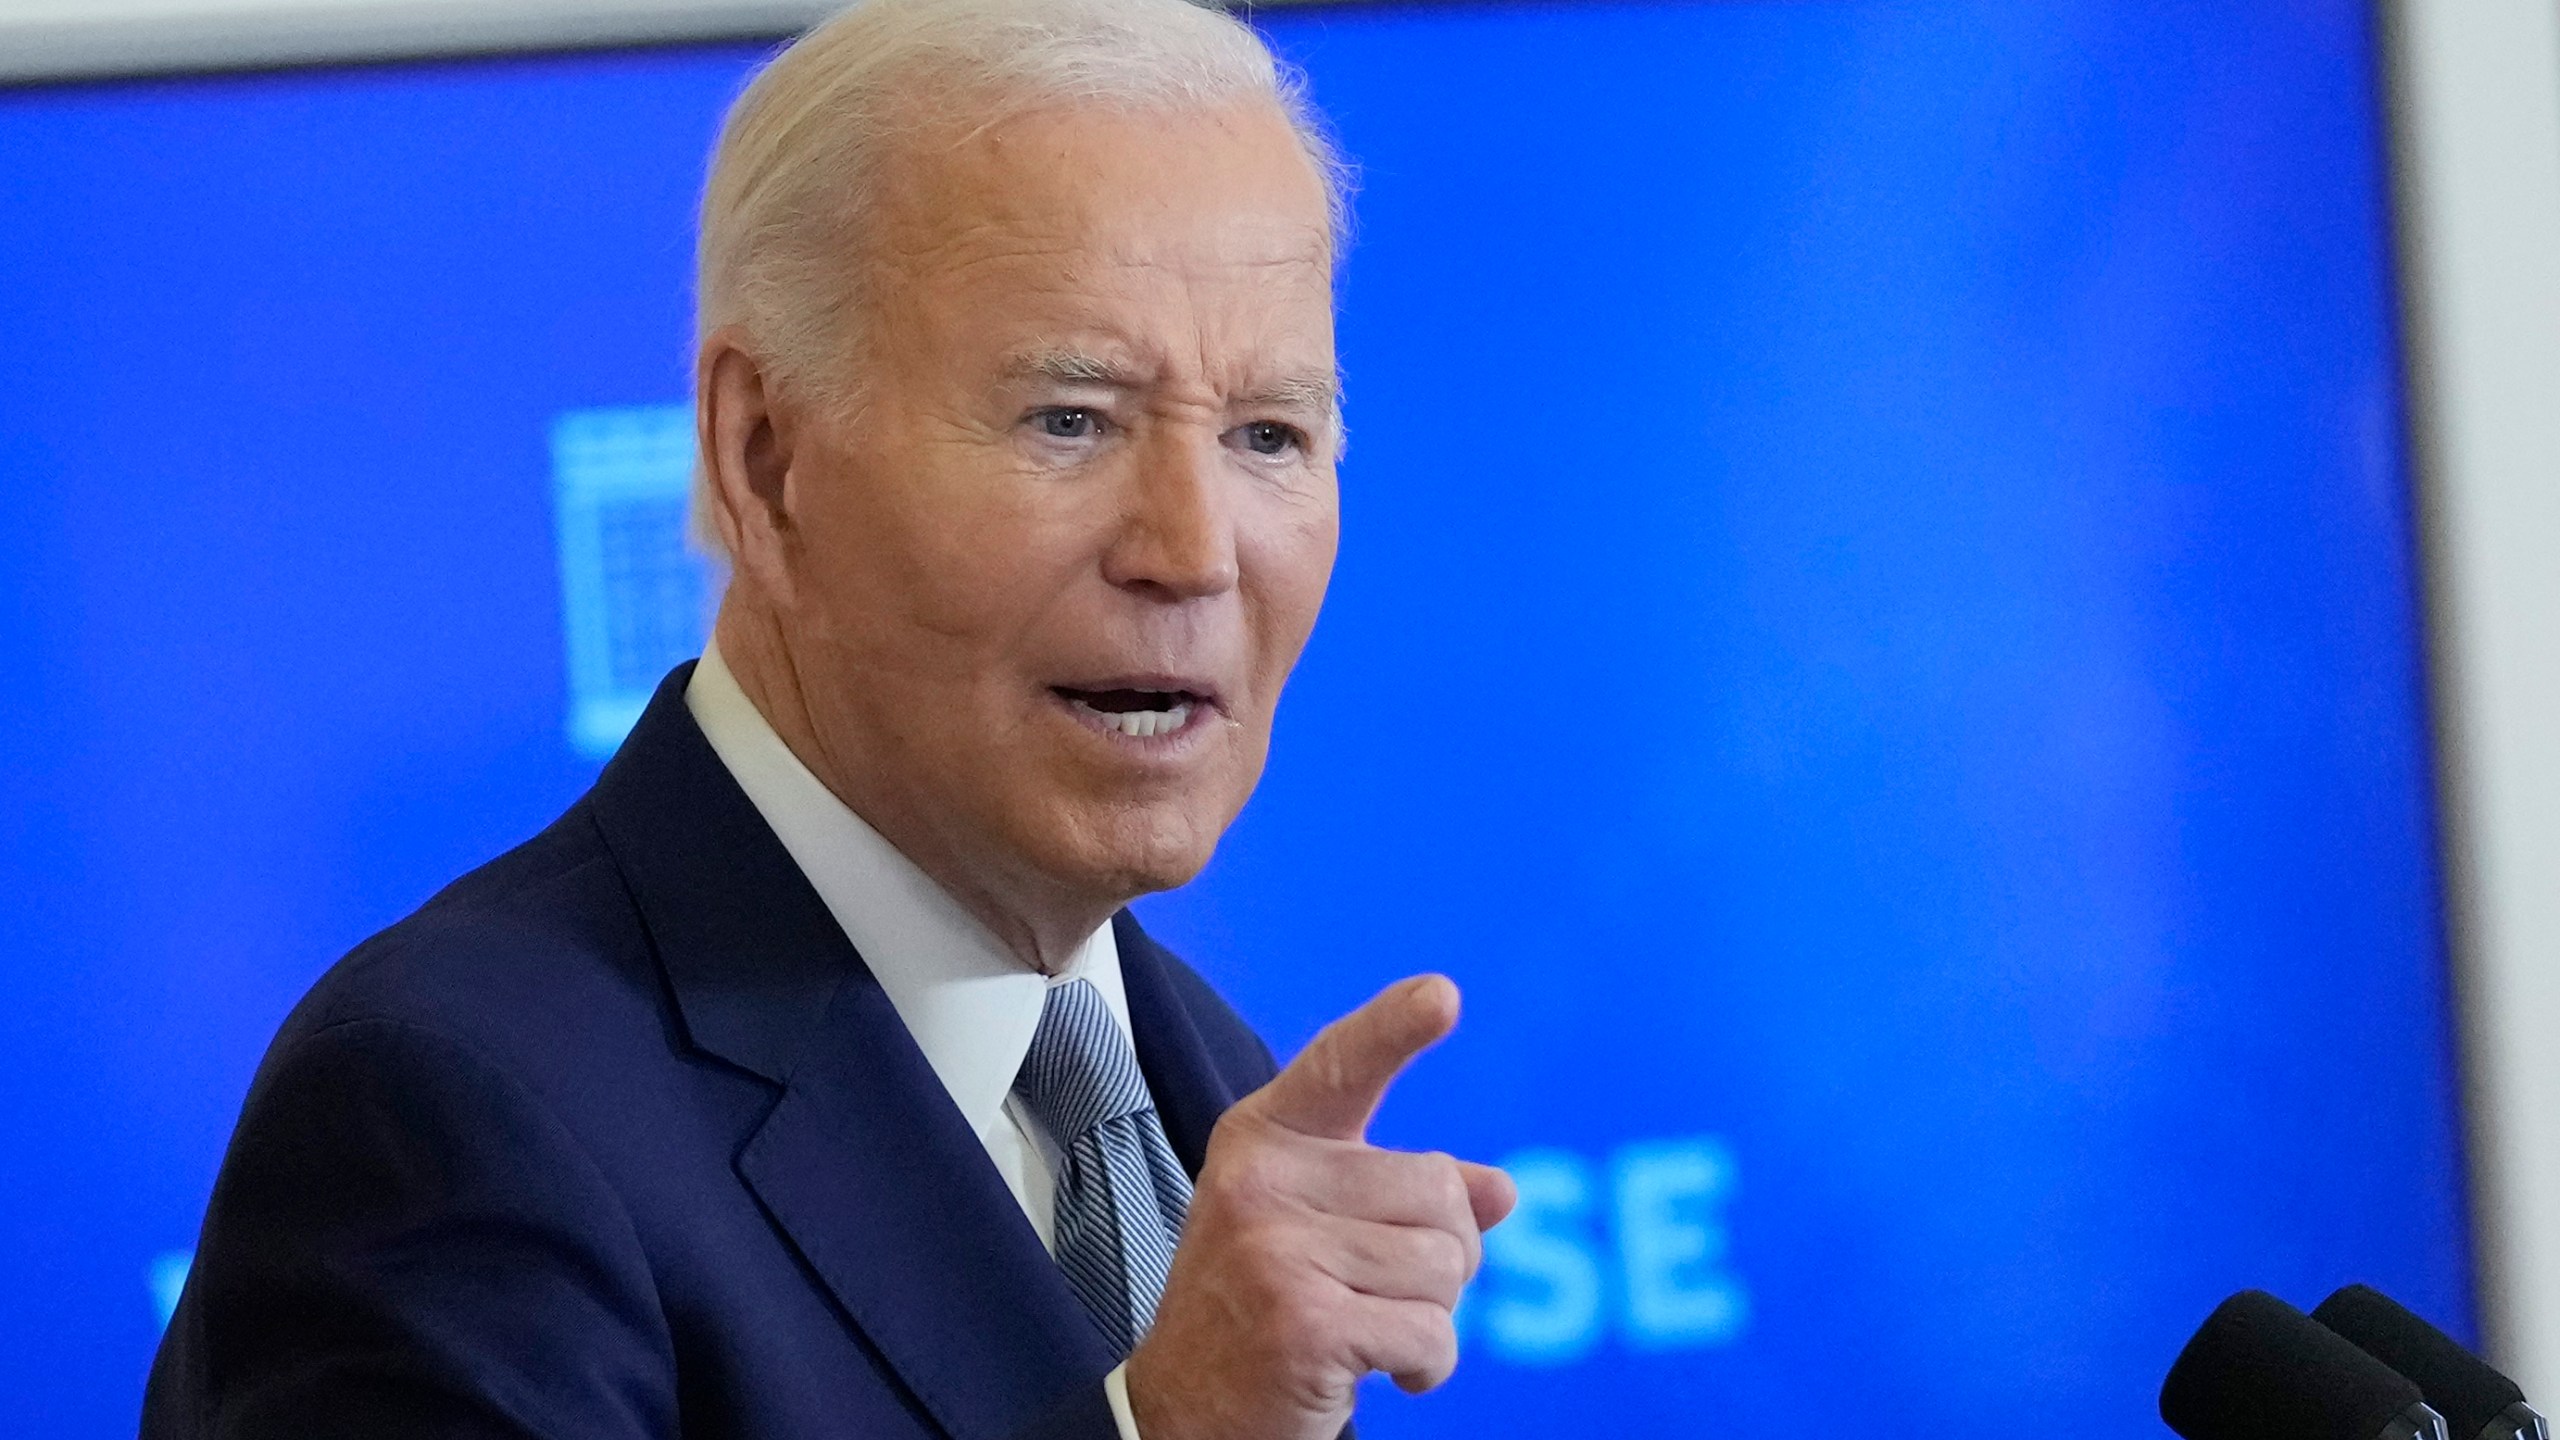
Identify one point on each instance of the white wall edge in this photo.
(53, 40)
(2477, 99)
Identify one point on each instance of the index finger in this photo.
(1333, 1088)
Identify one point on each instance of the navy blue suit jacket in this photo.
(617, 1137)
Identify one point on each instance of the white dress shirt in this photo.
(970, 1004)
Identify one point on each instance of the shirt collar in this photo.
(971, 1006)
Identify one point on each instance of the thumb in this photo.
(1334, 1086)
(1490, 1193)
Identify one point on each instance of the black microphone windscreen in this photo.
(2459, 1384)
(2258, 1369)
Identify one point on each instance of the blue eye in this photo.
(1269, 437)
(1068, 424)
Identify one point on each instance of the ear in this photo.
(747, 435)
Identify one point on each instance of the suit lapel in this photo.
(864, 1164)
(887, 1193)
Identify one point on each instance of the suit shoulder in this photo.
(548, 925)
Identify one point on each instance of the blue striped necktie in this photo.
(1121, 1194)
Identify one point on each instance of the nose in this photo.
(1177, 537)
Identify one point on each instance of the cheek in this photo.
(1291, 559)
(927, 566)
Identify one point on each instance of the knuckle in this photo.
(1245, 1172)
(1451, 1181)
(1259, 1176)
(1437, 1336)
(1445, 1259)
(1441, 1186)
(1444, 1360)
(1425, 1349)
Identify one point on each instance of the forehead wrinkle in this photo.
(917, 254)
(931, 234)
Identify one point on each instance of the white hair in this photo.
(792, 178)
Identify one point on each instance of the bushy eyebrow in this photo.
(1317, 394)
(1070, 367)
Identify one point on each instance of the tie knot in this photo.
(1081, 1070)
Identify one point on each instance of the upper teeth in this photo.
(1142, 722)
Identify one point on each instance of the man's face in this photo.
(1047, 581)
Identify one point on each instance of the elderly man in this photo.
(809, 1077)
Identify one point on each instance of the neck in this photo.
(1041, 922)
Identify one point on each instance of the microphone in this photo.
(2258, 1369)
(2476, 1401)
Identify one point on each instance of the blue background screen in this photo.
(1876, 637)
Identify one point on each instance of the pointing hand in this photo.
(1312, 1257)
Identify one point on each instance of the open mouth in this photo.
(1137, 712)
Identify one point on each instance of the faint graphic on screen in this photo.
(634, 595)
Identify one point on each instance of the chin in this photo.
(1129, 851)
